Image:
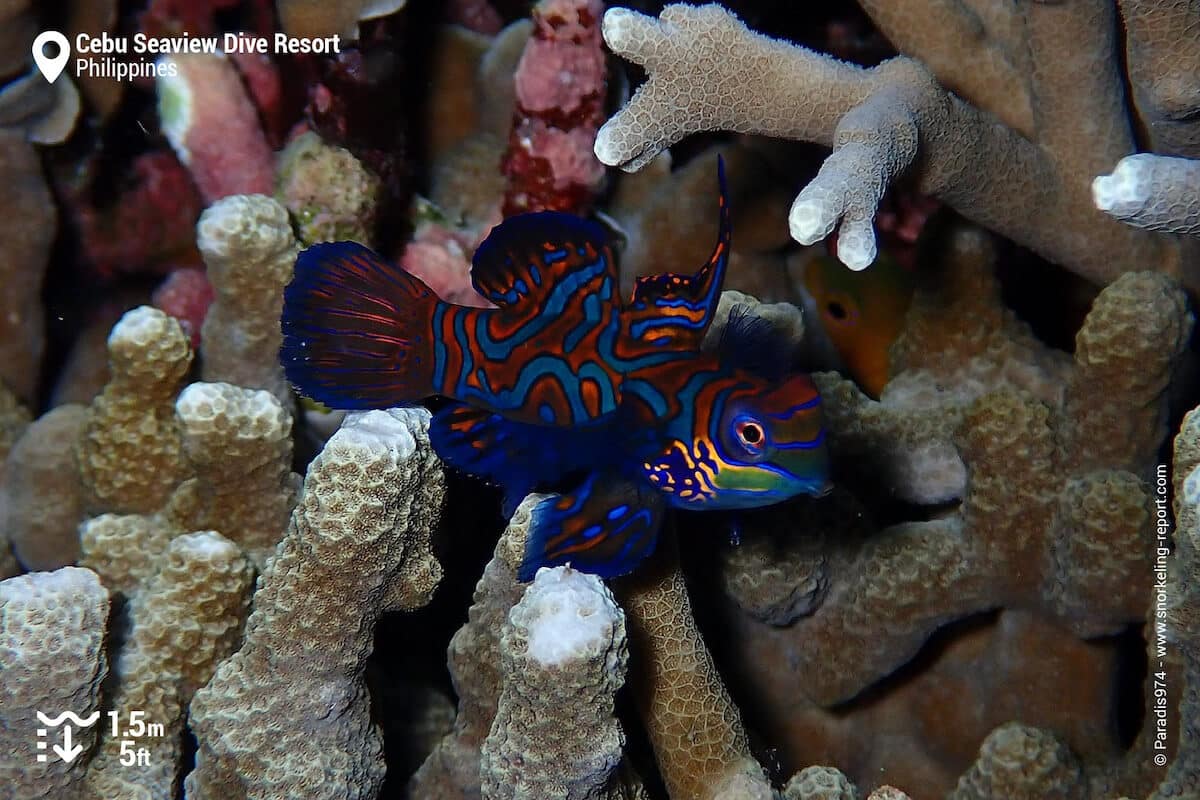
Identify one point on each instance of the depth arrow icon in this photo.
(65, 751)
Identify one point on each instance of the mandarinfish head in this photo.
(770, 446)
(752, 443)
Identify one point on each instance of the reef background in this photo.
(295, 594)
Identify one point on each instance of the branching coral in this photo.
(131, 456)
(896, 119)
(560, 86)
(183, 622)
(472, 100)
(1156, 193)
(1180, 620)
(452, 770)
(239, 444)
(213, 126)
(291, 707)
(563, 656)
(899, 651)
(695, 728)
(249, 248)
(851, 607)
(1163, 61)
(960, 342)
(52, 628)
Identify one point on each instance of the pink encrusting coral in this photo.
(214, 128)
(150, 225)
(560, 84)
(262, 80)
(185, 295)
(441, 257)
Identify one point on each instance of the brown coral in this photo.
(693, 724)
(358, 545)
(1068, 556)
(52, 627)
(27, 227)
(1022, 763)
(41, 497)
(186, 619)
(563, 656)
(895, 119)
(247, 243)
(131, 456)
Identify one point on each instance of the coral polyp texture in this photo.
(1064, 119)
(249, 248)
(1157, 193)
(358, 545)
(183, 622)
(52, 651)
(846, 605)
(563, 655)
(131, 454)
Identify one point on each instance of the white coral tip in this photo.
(1124, 190)
(810, 221)
(616, 25)
(857, 255)
(604, 147)
(568, 615)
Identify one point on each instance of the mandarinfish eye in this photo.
(750, 434)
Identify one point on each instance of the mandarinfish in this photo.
(562, 379)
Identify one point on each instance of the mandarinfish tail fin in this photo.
(357, 330)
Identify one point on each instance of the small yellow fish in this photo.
(861, 313)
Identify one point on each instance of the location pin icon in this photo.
(51, 67)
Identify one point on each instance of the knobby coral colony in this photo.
(958, 617)
(562, 377)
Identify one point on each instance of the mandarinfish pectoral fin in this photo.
(518, 456)
(605, 526)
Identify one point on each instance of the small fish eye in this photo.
(751, 433)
